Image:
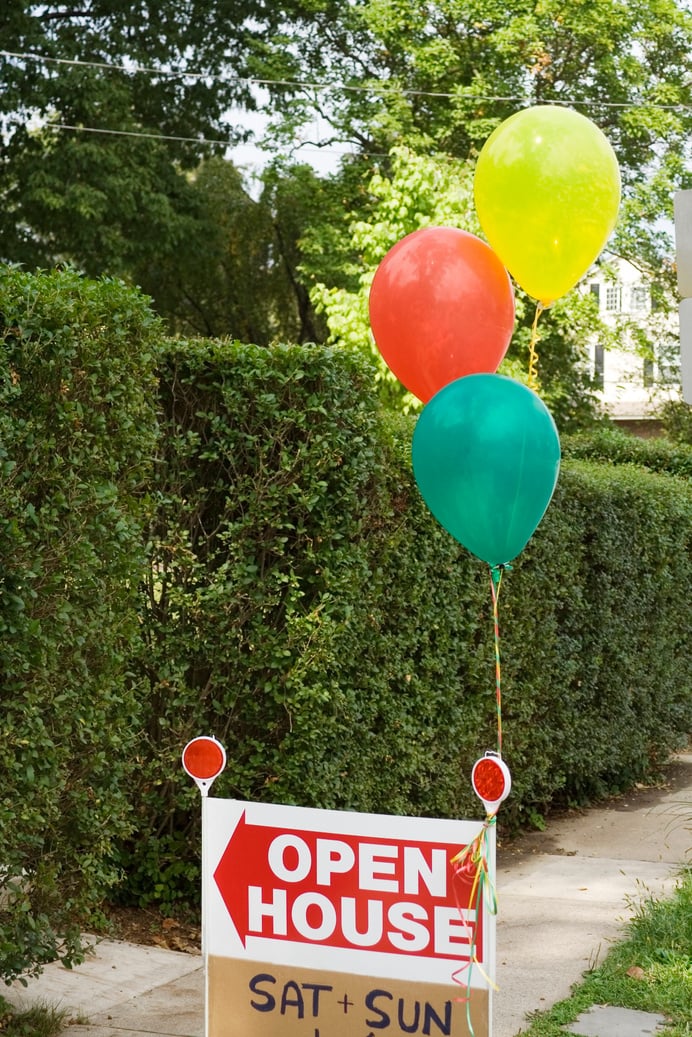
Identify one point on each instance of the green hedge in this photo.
(305, 608)
(613, 446)
(286, 531)
(239, 549)
(596, 627)
(77, 428)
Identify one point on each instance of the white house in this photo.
(640, 368)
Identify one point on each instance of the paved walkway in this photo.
(564, 895)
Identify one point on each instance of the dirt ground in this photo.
(150, 928)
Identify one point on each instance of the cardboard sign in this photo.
(251, 999)
(337, 924)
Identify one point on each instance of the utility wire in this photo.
(373, 89)
(136, 133)
(336, 87)
(192, 140)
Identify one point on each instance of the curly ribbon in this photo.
(472, 862)
(533, 352)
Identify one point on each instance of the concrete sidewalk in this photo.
(564, 895)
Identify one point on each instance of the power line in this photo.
(336, 87)
(135, 133)
(106, 65)
(187, 140)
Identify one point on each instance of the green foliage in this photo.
(597, 672)
(41, 1020)
(269, 619)
(420, 191)
(100, 200)
(76, 434)
(454, 69)
(304, 607)
(106, 119)
(112, 205)
(230, 267)
(606, 443)
(240, 550)
(676, 416)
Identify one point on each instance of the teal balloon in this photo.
(486, 457)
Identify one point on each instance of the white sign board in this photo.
(339, 924)
(683, 258)
(683, 241)
(686, 349)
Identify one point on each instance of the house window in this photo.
(613, 298)
(639, 298)
(668, 370)
(595, 290)
(598, 367)
(648, 373)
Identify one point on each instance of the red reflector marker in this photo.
(204, 759)
(491, 781)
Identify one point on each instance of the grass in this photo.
(650, 970)
(41, 1020)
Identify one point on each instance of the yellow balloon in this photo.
(547, 192)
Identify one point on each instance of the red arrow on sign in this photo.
(348, 891)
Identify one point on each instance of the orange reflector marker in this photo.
(491, 781)
(204, 759)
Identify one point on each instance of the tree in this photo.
(210, 281)
(134, 199)
(420, 192)
(438, 77)
(441, 76)
(232, 269)
(444, 75)
(166, 74)
(423, 191)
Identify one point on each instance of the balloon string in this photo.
(533, 352)
(495, 584)
(472, 860)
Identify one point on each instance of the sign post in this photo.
(204, 759)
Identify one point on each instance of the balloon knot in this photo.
(496, 571)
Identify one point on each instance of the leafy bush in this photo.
(240, 550)
(605, 443)
(676, 416)
(76, 434)
(595, 635)
(292, 608)
(304, 607)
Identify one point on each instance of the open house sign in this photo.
(338, 924)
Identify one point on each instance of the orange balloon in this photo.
(441, 307)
